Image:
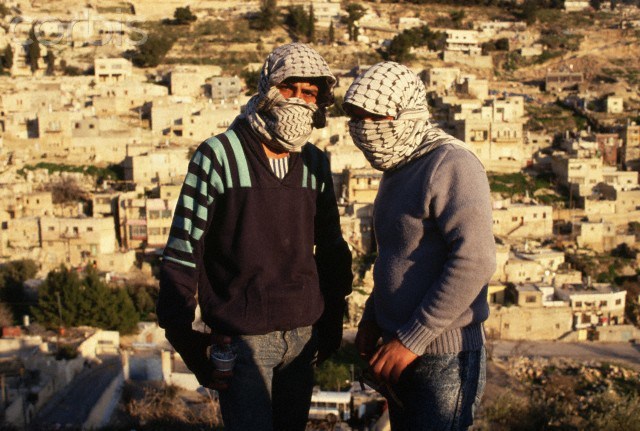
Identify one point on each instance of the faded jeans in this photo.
(439, 392)
(272, 381)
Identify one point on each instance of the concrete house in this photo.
(76, 241)
(594, 304)
(112, 70)
(523, 221)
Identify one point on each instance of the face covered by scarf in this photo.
(390, 89)
(286, 124)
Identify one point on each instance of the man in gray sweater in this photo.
(436, 255)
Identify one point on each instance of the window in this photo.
(578, 303)
(506, 326)
(51, 228)
(603, 303)
(138, 232)
(557, 326)
(530, 299)
(618, 301)
(514, 218)
(90, 229)
(153, 215)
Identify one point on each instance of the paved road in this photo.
(73, 404)
(629, 353)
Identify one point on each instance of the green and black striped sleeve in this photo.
(204, 182)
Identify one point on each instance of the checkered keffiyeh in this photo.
(285, 124)
(391, 89)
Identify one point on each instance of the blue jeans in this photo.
(439, 392)
(272, 381)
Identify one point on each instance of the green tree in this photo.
(456, 18)
(267, 17)
(152, 52)
(399, 48)
(529, 11)
(355, 11)
(66, 299)
(50, 61)
(7, 61)
(33, 51)
(183, 15)
(12, 277)
(332, 376)
(332, 33)
(251, 79)
(297, 20)
(311, 31)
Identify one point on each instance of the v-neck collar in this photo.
(255, 146)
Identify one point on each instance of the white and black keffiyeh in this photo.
(285, 124)
(391, 89)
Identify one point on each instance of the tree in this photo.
(12, 277)
(529, 11)
(297, 20)
(67, 190)
(456, 18)
(267, 17)
(183, 15)
(332, 33)
(8, 57)
(50, 61)
(66, 299)
(6, 316)
(355, 11)
(33, 51)
(311, 31)
(152, 52)
(399, 48)
(332, 376)
(251, 79)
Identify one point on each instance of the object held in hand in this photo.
(223, 357)
(367, 377)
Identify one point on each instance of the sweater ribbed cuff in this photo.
(415, 337)
(421, 340)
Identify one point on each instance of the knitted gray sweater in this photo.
(436, 253)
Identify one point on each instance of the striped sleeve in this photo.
(201, 185)
(206, 179)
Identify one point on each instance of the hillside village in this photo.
(100, 116)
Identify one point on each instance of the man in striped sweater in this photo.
(256, 241)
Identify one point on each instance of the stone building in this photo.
(224, 87)
(76, 241)
(614, 105)
(559, 81)
(159, 166)
(523, 221)
(112, 70)
(601, 235)
(360, 185)
(494, 131)
(578, 174)
(593, 304)
(146, 221)
(631, 146)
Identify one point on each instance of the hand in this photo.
(390, 361)
(214, 379)
(367, 338)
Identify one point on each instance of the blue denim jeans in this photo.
(272, 381)
(439, 392)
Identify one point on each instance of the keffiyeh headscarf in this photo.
(391, 89)
(285, 124)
